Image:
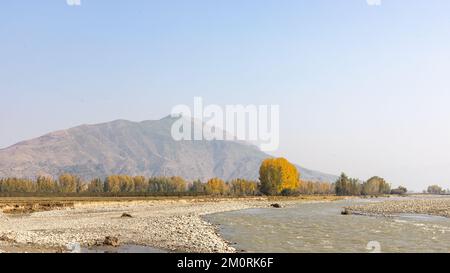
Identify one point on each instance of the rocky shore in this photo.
(172, 225)
(424, 205)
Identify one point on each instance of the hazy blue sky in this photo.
(362, 89)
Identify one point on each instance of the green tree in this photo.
(242, 187)
(197, 187)
(435, 189)
(157, 184)
(346, 186)
(400, 190)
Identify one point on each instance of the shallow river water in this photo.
(320, 227)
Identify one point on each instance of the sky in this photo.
(363, 89)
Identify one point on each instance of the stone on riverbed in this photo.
(7, 239)
(126, 215)
(346, 212)
(111, 241)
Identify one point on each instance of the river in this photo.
(320, 227)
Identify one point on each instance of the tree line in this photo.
(436, 189)
(346, 186)
(68, 184)
(280, 177)
(277, 176)
(71, 185)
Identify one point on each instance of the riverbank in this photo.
(171, 224)
(429, 205)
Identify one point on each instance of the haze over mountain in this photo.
(134, 148)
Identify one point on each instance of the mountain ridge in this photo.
(134, 148)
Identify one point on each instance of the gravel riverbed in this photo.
(437, 206)
(172, 225)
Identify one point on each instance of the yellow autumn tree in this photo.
(177, 184)
(68, 183)
(216, 186)
(126, 183)
(46, 184)
(140, 184)
(277, 175)
(112, 184)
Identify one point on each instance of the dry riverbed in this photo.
(173, 224)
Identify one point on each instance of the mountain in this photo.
(134, 148)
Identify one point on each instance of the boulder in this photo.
(346, 212)
(111, 241)
(126, 215)
(277, 206)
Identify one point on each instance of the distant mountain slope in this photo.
(124, 147)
